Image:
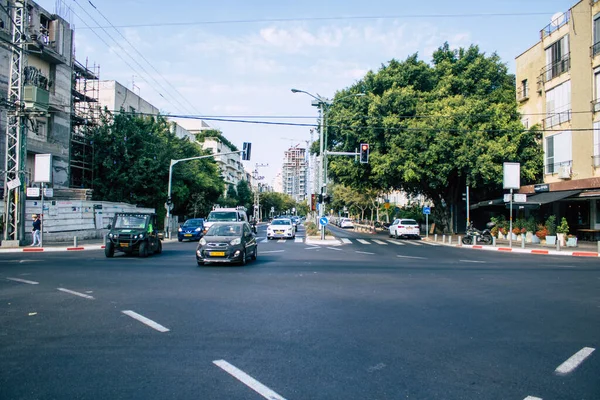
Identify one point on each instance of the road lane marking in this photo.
(264, 240)
(346, 240)
(23, 281)
(532, 398)
(281, 241)
(364, 252)
(362, 241)
(272, 251)
(145, 320)
(430, 243)
(473, 261)
(574, 361)
(396, 242)
(298, 240)
(379, 242)
(312, 247)
(413, 243)
(248, 380)
(333, 248)
(85, 296)
(418, 258)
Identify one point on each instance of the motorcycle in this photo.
(474, 235)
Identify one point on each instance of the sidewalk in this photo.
(92, 244)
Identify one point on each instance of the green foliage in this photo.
(472, 127)
(216, 134)
(244, 194)
(563, 227)
(131, 164)
(530, 224)
(551, 225)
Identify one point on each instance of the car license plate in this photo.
(217, 254)
(187, 234)
(279, 232)
(124, 245)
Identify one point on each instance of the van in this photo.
(225, 215)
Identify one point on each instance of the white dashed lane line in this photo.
(473, 261)
(248, 380)
(23, 281)
(532, 398)
(574, 361)
(333, 248)
(144, 320)
(272, 251)
(85, 296)
(364, 252)
(417, 258)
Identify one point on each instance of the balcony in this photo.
(555, 25)
(523, 93)
(595, 105)
(596, 161)
(595, 49)
(36, 98)
(554, 168)
(557, 117)
(555, 69)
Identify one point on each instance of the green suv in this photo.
(133, 233)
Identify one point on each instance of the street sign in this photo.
(13, 184)
(426, 210)
(33, 192)
(520, 198)
(386, 205)
(48, 192)
(323, 221)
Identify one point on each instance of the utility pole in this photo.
(16, 145)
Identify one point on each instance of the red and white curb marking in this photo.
(525, 251)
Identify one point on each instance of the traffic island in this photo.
(328, 241)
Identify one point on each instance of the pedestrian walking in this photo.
(37, 228)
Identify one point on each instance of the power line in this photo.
(133, 59)
(333, 18)
(141, 55)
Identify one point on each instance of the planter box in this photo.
(562, 238)
(535, 240)
(551, 240)
(529, 237)
(572, 242)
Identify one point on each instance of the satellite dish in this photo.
(558, 19)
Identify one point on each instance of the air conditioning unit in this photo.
(564, 172)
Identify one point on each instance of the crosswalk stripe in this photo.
(413, 243)
(396, 242)
(265, 240)
(379, 242)
(430, 243)
(362, 241)
(281, 241)
(298, 240)
(345, 240)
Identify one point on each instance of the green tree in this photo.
(131, 164)
(434, 129)
(244, 194)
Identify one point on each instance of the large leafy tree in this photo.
(433, 129)
(244, 194)
(131, 164)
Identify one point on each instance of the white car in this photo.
(405, 228)
(281, 228)
(346, 223)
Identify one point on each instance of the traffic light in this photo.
(313, 204)
(364, 153)
(320, 199)
(246, 152)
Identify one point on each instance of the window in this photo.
(524, 88)
(557, 58)
(557, 151)
(596, 157)
(596, 31)
(596, 101)
(558, 105)
(525, 122)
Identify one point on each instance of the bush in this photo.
(541, 232)
(530, 224)
(551, 225)
(564, 226)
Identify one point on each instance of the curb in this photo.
(524, 251)
(51, 249)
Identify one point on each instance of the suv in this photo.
(225, 215)
(405, 227)
(133, 232)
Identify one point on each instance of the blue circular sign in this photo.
(323, 221)
(426, 210)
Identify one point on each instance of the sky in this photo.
(236, 58)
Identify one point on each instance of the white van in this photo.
(225, 215)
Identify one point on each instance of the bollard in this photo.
(450, 240)
(74, 241)
(494, 241)
(599, 247)
(435, 238)
(444, 239)
(522, 241)
(459, 241)
(557, 244)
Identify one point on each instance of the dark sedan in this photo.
(191, 229)
(227, 242)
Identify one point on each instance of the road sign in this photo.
(33, 192)
(426, 210)
(323, 221)
(386, 205)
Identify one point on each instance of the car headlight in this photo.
(110, 235)
(202, 242)
(141, 236)
(235, 241)
(198, 229)
(179, 230)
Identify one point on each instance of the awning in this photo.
(487, 203)
(549, 197)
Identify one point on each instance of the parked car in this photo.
(192, 229)
(227, 242)
(281, 228)
(346, 223)
(133, 233)
(405, 228)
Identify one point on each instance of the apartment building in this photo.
(294, 173)
(46, 91)
(558, 89)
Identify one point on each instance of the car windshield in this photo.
(281, 222)
(130, 221)
(215, 216)
(191, 223)
(225, 230)
(408, 222)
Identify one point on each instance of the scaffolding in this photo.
(85, 118)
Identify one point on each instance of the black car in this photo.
(191, 229)
(133, 233)
(227, 242)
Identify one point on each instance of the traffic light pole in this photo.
(169, 203)
(322, 159)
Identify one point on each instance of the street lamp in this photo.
(322, 102)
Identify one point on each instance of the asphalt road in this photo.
(374, 318)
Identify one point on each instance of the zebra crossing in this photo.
(345, 240)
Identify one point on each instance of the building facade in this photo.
(230, 165)
(294, 173)
(558, 89)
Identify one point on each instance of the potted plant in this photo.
(571, 241)
(551, 228)
(529, 230)
(540, 234)
(562, 230)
